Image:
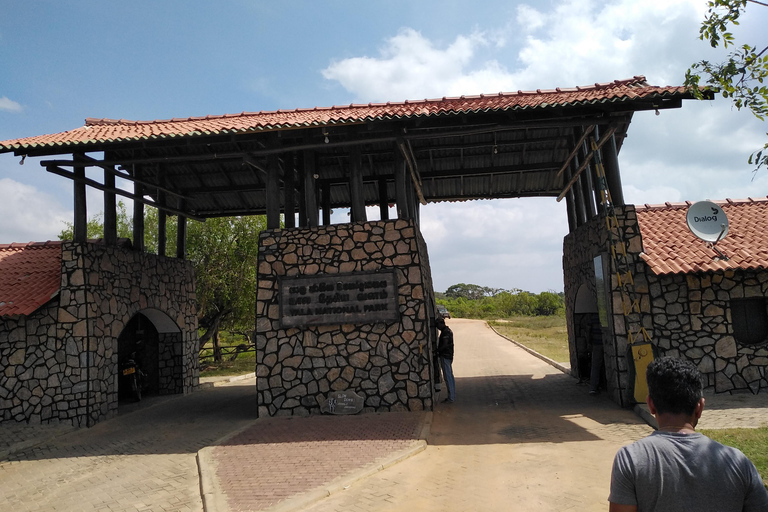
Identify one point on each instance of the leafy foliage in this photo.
(473, 301)
(470, 291)
(742, 76)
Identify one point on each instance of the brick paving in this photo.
(280, 458)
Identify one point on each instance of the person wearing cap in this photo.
(445, 353)
(677, 468)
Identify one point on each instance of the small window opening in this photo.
(750, 320)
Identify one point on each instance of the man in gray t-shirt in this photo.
(676, 468)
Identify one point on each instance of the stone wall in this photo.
(579, 250)
(60, 363)
(692, 319)
(686, 316)
(386, 362)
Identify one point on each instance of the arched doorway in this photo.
(153, 340)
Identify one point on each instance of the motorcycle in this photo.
(133, 377)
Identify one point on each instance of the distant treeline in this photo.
(473, 301)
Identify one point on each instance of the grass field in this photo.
(751, 441)
(547, 335)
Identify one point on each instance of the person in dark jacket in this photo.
(445, 353)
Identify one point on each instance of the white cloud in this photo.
(411, 67)
(29, 215)
(511, 243)
(9, 105)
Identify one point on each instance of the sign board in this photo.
(342, 402)
(707, 221)
(330, 299)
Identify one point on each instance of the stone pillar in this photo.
(388, 362)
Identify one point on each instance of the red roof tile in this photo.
(671, 248)
(109, 130)
(30, 276)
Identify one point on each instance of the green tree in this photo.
(469, 291)
(741, 77)
(224, 252)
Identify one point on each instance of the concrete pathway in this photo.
(143, 460)
(521, 436)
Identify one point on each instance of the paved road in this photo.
(521, 436)
(142, 461)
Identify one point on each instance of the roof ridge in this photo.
(21, 245)
(685, 204)
(636, 81)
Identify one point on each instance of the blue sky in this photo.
(61, 62)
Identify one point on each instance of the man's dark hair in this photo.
(439, 322)
(674, 385)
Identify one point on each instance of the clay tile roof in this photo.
(30, 276)
(671, 248)
(98, 131)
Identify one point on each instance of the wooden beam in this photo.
(109, 168)
(588, 187)
(584, 164)
(410, 160)
(575, 149)
(95, 184)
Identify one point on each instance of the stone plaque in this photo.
(331, 299)
(342, 402)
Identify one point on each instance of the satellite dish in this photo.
(707, 221)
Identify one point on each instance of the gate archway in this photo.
(153, 341)
(296, 164)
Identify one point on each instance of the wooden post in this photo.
(356, 186)
(326, 200)
(162, 236)
(138, 214)
(310, 193)
(584, 188)
(273, 192)
(289, 192)
(612, 174)
(383, 199)
(571, 208)
(110, 210)
(81, 214)
(401, 192)
(581, 211)
(588, 185)
(181, 235)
